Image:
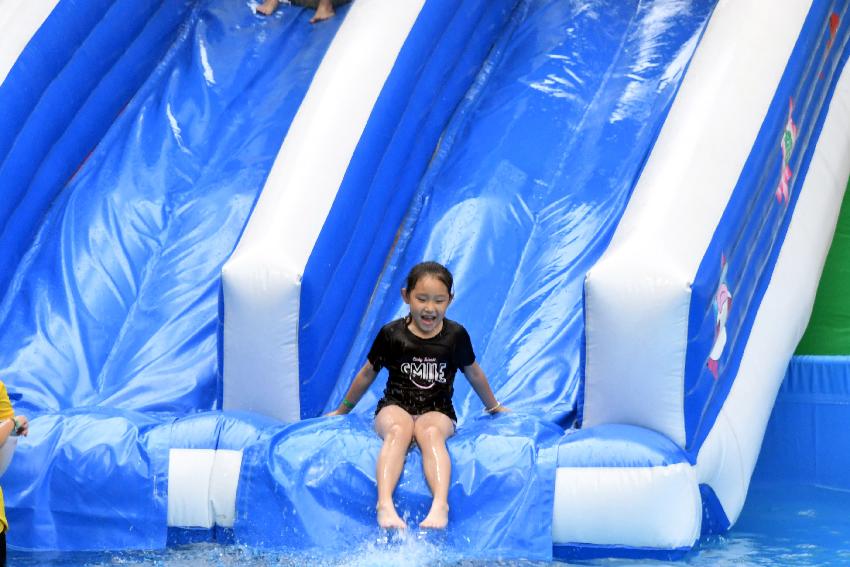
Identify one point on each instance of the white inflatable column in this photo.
(728, 456)
(638, 294)
(262, 280)
(19, 20)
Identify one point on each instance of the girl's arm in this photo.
(479, 383)
(7, 427)
(14, 425)
(361, 383)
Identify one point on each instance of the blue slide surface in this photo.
(529, 184)
(110, 322)
(116, 301)
(111, 317)
(521, 197)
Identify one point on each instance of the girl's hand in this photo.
(23, 425)
(334, 412)
(500, 409)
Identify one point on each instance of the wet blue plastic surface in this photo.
(781, 525)
(116, 302)
(714, 518)
(94, 478)
(313, 485)
(528, 185)
(109, 327)
(521, 198)
(50, 49)
(440, 58)
(753, 226)
(97, 478)
(68, 118)
(618, 445)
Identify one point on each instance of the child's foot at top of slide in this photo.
(268, 7)
(437, 518)
(324, 11)
(388, 518)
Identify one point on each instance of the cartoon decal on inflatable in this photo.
(721, 304)
(786, 146)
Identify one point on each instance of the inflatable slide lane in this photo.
(135, 137)
(693, 312)
(136, 140)
(207, 214)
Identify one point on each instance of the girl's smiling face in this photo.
(428, 301)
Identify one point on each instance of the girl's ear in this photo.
(404, 295)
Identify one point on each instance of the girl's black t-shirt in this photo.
(421, 371)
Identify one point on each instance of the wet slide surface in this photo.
(110, 323)
(530, 182)
(522, 196)
(109, 328)
(116, 301)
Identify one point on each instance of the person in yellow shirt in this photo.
(10, 424)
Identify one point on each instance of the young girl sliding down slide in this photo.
(422, 353)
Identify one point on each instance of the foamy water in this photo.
(780, 526)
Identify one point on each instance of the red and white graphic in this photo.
(786, 146)
(721, 304)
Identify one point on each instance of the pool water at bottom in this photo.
(781, 525)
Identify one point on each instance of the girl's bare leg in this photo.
(395, 426)
(324, 11)
(268, 7)
(431, 431)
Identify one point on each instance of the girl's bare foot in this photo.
(268, 7)
(324, 11)
(388, 517)
(437, 518)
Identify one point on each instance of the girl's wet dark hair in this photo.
(434, 269)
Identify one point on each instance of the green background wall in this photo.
(829, 328)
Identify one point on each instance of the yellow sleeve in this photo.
(4, 524)
(6, 411)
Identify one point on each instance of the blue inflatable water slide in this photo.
(207, 214)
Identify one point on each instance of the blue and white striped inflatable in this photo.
(207, 214)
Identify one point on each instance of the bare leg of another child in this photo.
(395, 426)
(268, 7)
(324, 11)
(431, 431)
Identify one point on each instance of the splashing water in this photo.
(782, 525)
